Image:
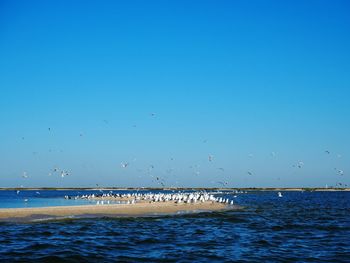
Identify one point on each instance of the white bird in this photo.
(280, 194)
(124, 165)
(17, 191)
(341, 172)
(25, 175)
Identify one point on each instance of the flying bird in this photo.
(124, 165)
(223, 183)
(210, 158)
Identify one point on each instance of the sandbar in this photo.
(137, 209)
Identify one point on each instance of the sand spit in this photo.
(137, 209)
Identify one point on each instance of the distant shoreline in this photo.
(176, 189)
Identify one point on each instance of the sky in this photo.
(262, 87)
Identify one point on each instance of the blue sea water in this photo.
(299, 227)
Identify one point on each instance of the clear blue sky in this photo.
(259, 85)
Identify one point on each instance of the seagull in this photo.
(17, 192)
(250, 173)
(64, 173)
(124, 165)
(221, 169)
(38, 193)
(152, 114)
(341, 172)
(210, 158)
(280, 194)
(299, 165)
(223, 183)
(25, 175)
(327, 152)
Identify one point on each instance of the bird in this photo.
(341, 172)
(17, 192)
(280, 194)
(221, 169)
(327, 152)
(64, 173)
(124, 165)
(299, 165)
(223, 183)
(250, 173)
(210, 158)
(25, 175)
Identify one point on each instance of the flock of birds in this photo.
(177, 198)
(161, 179)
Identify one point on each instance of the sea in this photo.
(298, 227)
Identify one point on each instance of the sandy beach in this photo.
(138, 209)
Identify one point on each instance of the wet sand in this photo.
(138, 209)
